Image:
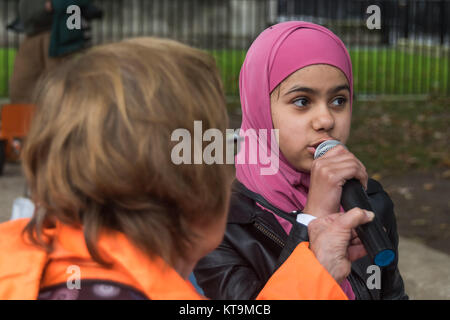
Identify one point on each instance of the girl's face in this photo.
(310, 105)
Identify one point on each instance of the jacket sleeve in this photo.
(302, 277)
(226, 274)
(392, 286)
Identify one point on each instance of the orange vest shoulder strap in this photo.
(302, 277)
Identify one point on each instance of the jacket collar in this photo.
(21, 272)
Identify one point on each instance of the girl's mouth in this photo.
(311, 150)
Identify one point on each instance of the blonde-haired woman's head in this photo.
(99, 151)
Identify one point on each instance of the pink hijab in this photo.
(279, 51)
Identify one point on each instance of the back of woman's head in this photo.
(98, 154)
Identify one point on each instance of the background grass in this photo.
(6, 67)
(397, 137)
(376, 71)
(395, 71)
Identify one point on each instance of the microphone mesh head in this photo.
(324, 147)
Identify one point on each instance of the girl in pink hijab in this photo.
(296, 88)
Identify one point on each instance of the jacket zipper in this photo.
(269, 234)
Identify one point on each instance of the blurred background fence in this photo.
(409, 55)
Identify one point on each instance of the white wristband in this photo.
(305, 218)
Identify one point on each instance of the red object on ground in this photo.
(15, 124)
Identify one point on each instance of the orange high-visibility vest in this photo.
(25, 269)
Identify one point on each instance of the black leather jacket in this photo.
(255, 245)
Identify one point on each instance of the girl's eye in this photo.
(340, 101)
(301, 102)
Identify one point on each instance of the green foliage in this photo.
(375, 71)
(7, 62)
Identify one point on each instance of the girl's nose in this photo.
(323, 119)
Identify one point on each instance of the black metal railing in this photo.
(409, 55)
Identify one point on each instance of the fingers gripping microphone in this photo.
(372, 235)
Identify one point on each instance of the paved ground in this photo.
(426, 271)
(422, 206)
(12, 185)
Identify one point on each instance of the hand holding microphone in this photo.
(328, 175)
(333, 240)
(350, 194)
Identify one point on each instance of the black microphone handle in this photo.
(372, 234)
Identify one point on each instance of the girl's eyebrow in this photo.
(300, 89)
(339, 88)
(313, 91)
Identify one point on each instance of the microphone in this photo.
(372, 234)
